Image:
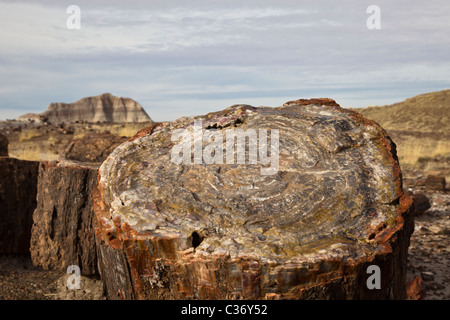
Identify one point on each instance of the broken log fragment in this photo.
(63, 232)
(176, 224)
(18, 180)
(92, 148)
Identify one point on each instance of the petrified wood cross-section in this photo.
(63, 231)
(209, 230)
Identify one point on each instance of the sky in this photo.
(184, 58)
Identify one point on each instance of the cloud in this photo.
(176, 57)
(43, 30)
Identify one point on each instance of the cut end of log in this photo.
(331, 205)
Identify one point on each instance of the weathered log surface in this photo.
(3, 146)
(92, 148)
(223, 231)
(18, 180)
(63, 232)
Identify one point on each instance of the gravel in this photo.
(429, 251)
(20, 280)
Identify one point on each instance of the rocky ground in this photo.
(429, 251)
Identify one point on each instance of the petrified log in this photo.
(63, 232)
(93, 147)
(435, 183)
(415, 289)
(173, 224)
(18, 179)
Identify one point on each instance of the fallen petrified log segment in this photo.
(63, 232)
(18, 180)
(308, 230)
(3, 146)
(435, 183)
(93, 147)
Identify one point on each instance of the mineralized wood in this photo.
(3, 146)
(62, 233)
(333, 207)
(18, 180)
(92, 148)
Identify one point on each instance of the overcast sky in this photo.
(180, 58)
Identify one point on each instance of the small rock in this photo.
(419, 183)
(427, 276)
(415, 289)
(94, 147)
(435, 183)
(439, 230)
(91, 289)
(421, 204)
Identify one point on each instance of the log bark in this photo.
(62, 233)
(309, 230)
(18, 180)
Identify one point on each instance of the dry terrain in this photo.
(45, 141)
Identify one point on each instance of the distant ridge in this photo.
(420, 126)
(429, 112)
(103, 108)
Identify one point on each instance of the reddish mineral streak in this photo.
(63, 233)
(144, 132)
